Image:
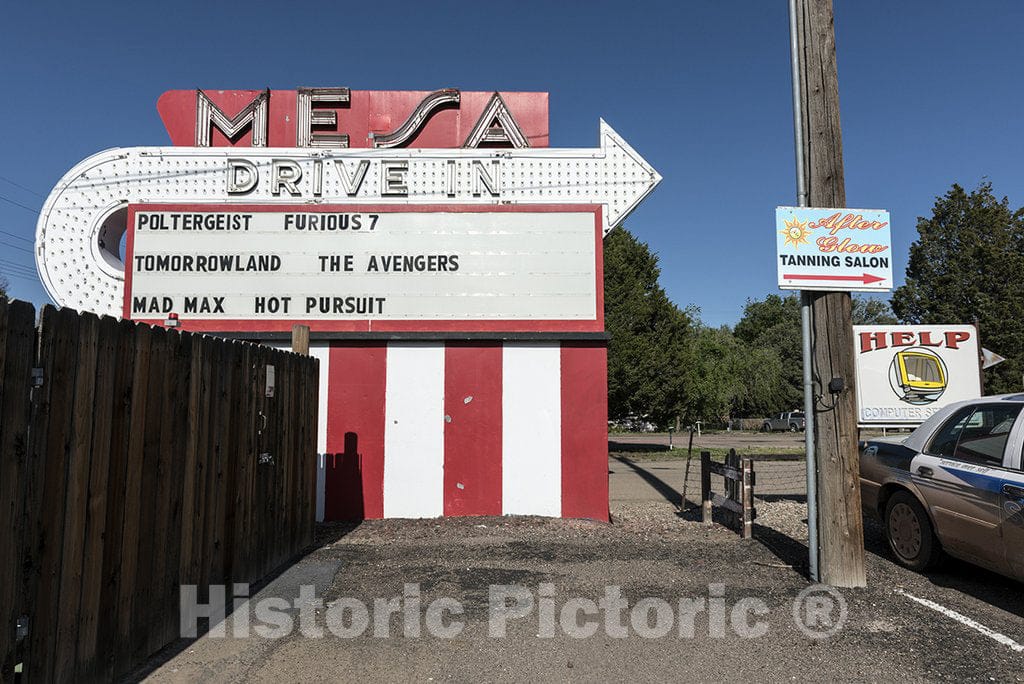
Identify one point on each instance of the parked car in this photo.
(955, 485)
(792, 421)
(632, 424)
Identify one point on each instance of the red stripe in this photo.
(584, 430)
(472, 430)
(354, 482)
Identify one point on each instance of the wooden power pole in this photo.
(840, 526)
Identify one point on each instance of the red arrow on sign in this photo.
(865, 278)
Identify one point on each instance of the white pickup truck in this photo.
(792, 421)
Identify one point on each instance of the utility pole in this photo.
(840, 528)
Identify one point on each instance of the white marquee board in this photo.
(265, 263)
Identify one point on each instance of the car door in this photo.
(959, 474)
(1011, 488)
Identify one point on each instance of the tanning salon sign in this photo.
(833, 249)
(905, 373)
(316, 205)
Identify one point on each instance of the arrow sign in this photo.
(990, 358)
(865, 278)
(82, 222)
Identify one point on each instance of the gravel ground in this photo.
(652, 551)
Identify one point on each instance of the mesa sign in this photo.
(447, 263)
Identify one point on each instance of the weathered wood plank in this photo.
(300, 339)
(264, 471)
(747, 498)
(221, 409)
(164, 621)
(232, 464)
(76, 502)
(282, 460)
(59, 349)
(310, 418)
(154, 466)
(135, 462)
(728, 504)
(191, 497)
(17, 357)
(98, 492)
(246, 464)
(212, 493)
(123, 363)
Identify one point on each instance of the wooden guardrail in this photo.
(738, 500)
(133, 460)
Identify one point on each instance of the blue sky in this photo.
(930, 95)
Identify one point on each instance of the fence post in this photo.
(747, 484)
(705, 487)
(300, 339)
(732, 487)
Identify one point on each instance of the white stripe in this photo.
(322, 352)
(531, 439)
(964, 620)
(414, 430)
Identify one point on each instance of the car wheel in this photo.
(793, 427)
(766, 428)
(909, 533)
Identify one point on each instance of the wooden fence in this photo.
(133, 460)
(738, 500)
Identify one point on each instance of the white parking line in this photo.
(964, 620)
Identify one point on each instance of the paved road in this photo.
(635, 479)
(737, 440)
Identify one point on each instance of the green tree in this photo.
(774, 324)
(867, 311)
(729, 378)
(649, 334)
(3, 286)
(968, 264)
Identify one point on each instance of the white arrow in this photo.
(84, 218)
(990, 358)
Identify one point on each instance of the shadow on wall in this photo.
(343, 483)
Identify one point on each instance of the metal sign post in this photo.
(805, 310)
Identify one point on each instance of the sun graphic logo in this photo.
(796, 233)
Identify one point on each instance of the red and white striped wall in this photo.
(426, 429)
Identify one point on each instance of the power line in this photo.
(20, 270)
(10, 246)
(4, 263)
(5, 272)
(19, 185)
(19, 204)
(34, 278)
(17, 237)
